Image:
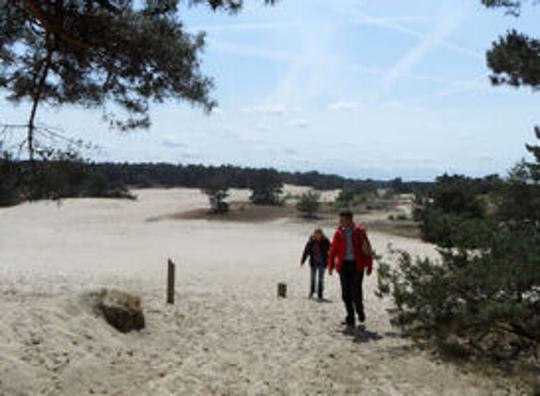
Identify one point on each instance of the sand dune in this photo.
(227, 334)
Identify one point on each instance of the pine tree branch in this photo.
(49, 28)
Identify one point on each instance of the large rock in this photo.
(121, 310)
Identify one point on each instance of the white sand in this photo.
(227, 334)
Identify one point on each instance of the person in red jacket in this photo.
(351, 255)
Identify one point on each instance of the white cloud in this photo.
(172, 141)
(300, 123)
(486, 157)
(344, 106)
(270, 109)
(291, 151)
(217, 111)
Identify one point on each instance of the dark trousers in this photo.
(351, 290)
(317, 276)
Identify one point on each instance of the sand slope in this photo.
(227, 335)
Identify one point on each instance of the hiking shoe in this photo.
(349, 330)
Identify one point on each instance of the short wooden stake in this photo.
(282, 290)
(170, 281)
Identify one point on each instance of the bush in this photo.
(398, 217)
(96, 185)
(217, 191)
(344, 198)
(402, 217)
(486, 302)
(308, 203)
(266, 188)
(9, 193)
(481, 298)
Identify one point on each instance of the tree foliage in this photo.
(92, 53)
(514, 58)
(65, 175)
(482, 297)
(344, 198)
(309, 203)
(217, 191)
(454, 203)
(266, 187)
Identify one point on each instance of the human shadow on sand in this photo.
(363, 335)
(324, 301)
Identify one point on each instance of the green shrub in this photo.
(266, 187)
(217, 191)
(481, 298)
(309, 203)
(9, 178)
(487, 302)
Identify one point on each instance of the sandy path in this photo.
(228, 334)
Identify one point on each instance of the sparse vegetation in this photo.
(308, 203)
(398, 217)
(217, 191)
(266, 187)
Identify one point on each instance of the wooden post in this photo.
(170, 281)
(282, 290)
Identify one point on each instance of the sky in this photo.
(360, 88)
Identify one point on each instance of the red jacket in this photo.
(338, 249)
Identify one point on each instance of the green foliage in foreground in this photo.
(481, 298)
(484, 304)
(309, 203)
(453, 203)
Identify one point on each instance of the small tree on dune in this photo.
(217, 191)
(266, 187)
(344, 198)
(309, 203)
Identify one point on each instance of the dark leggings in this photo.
(351, 289)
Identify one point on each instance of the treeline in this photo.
(68, 176)
(143, 175)
(65, 177)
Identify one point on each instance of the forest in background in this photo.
(69, 178)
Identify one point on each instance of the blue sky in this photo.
(377, 88)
